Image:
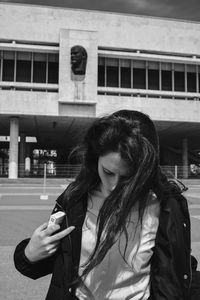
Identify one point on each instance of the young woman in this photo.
(126, 234)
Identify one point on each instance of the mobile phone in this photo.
(56, 218)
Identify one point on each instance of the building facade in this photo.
(133, 62)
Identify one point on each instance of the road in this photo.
(22, 210)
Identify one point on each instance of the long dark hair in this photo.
(133, 135)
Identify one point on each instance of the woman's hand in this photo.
(44, 242)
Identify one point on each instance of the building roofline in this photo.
(102, 11)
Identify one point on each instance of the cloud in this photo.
(181, 9)
(188, 10)
(154, 7)
(147, 4)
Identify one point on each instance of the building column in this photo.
(22, 151)
(13, 151)
(185, 157)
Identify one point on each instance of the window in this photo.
(198, 78)
(153, 75)
(23, 70)
(179, 77)
(52, 68)
(8, 65)
(139, 74)
(166, 76)
(1, 65)
(191, 78)
(39, 67)
(125, 69)
(21, 66)
(101, 71)
(112, 72)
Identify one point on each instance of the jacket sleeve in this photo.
(170, 273)
(37, 269)
(43, 267)
(32, 270)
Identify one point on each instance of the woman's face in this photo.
(111, 167)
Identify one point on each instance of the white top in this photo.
(115, 278)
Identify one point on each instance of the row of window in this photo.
(21, 66)
(138, 74)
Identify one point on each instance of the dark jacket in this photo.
(170, 276)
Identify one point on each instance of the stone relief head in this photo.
(78, 60)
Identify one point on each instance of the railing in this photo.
(28, 86)
(59, 171)
(70, 171)
(52, 170)
(148, 93)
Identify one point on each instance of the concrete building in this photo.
(134, 62)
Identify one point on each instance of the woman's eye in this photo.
(108, 173)
(123, 177)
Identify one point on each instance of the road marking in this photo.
(28, 194)
(196, 217)
(194, 206)
(33, 187)
(193, 195)
(190, 187)
(26, 207)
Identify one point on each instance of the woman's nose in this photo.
(114, 182)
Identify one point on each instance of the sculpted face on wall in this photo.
(78, 60)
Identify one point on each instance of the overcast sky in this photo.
(178, 9)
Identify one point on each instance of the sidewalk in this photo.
(189, 182)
